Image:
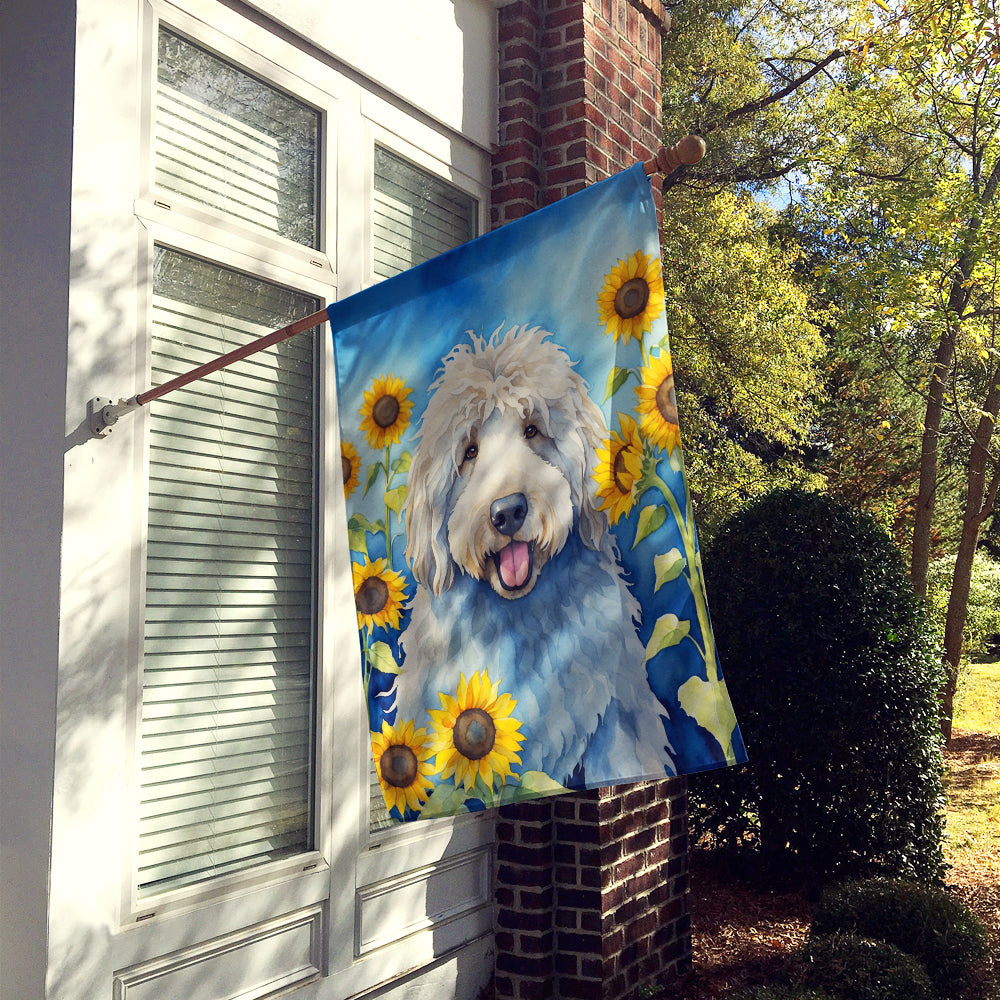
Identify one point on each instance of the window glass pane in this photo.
(228, 655)
(416, 215)
(231, 141)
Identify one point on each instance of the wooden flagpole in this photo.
(102, 413)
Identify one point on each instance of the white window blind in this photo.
(416, 215)
(228, 140)
(228, 658)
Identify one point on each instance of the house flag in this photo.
(530, 602)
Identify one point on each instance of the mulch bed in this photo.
(742, 934)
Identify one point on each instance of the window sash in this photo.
(415, 215)
(229, 659)
(228, 140)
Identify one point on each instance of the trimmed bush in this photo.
(834, 674)
(856, 968)
(925, 922)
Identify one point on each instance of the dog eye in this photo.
(471, 452)
(530, 431)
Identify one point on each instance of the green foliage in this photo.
(857, 968)
(749, 357)
(833, 675)
(926, 922)
(983, 612)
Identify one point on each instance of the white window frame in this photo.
(351, 873)
(180, 224)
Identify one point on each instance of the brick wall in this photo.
(579, 96)
(591, 888)
(591, 893)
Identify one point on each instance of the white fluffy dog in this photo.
(517, 572)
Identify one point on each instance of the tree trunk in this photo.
(920, 553)
(979, 500)
(958, 299)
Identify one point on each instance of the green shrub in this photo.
(925, 922)
(856, 968)
(834, 675)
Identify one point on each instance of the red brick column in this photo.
(579, 96)
(591, 888)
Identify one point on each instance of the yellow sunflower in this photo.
(350, 465)
(619, 470)
(385, 412)
(379, 593)
(657, 404)
(632, 297)
(474, 733)
(402, 763)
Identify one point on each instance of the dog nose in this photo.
(508, 513)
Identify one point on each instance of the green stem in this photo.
(693, 640)
(366, 655)
(388, 512)
(693, 575)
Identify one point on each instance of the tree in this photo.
(749, 358)
(749, 355)
(914, 182)
(879, 120)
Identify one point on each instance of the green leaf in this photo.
(617, 377)
(447, 800)
(373, 471)
(668, 566)
(380, 657)
(707, 702)
(539, 783)
(356, 528)
(668, 631)
(402, 464)
(533, 784)
(395, 498)
(650, 518)
(357, 538)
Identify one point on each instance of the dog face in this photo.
(513, 507)
(503, 469)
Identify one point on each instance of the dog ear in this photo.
(429, 483)
(592, 432)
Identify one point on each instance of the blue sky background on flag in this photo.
(547, 270)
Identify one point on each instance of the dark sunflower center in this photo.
(631, 298)
(619, 471)
(666, 401)
(345, 468)
(398, 766)
(474, 733)
(372, 596)
(385, 411)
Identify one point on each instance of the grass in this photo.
(978, 699)
(973, 784)
(972, 848)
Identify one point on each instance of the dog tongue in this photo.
(514, 564)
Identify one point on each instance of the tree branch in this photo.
(754, 106)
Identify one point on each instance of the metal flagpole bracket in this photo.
(103, 413)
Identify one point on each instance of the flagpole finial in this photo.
(668, 158)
